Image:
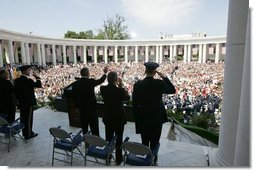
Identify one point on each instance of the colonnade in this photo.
(42, 53)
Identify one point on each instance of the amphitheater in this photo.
(21, 48)
(191, 150)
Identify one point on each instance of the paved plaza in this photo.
(37, 152)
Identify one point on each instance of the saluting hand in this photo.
(120, 82)
(160, 74)
(35, 75)
(105, 70)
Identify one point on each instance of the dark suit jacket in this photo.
(113, 98)
(83, 93)
(24, 90)
(147, 104)
(7, 97)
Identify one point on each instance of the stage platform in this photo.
(38, 151)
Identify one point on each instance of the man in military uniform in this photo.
(24, 90)
(148, 107)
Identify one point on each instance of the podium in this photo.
(74, 118)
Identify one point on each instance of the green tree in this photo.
(100, 35)
(71, 34)
(86, 35)
(114, 28)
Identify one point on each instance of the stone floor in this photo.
(37, 152)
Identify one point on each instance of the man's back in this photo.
(6, 94)
(113, 98)
(149, 92)
(83, 92)
(24, 90)
(147, 100)
(6, 88)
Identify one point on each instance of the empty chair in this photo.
(10, 130)
(66, 142)
(97, 147)
(137, 154)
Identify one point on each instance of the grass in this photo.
(209, 135)
(198, 125)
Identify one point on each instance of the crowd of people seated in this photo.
(198, 86)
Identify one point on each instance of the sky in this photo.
(146, 19)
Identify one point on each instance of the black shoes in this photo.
(155, 161)
(119, 162)
(32, 136)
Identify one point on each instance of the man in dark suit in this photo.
(113, 112)
(85, 100)
(148, 108)
(24, 90)
(7, 97)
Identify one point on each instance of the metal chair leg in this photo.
(85, 160)
(9, 142)
(53, 156)
(67, 153)
(71, 157)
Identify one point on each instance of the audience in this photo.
(198, 86)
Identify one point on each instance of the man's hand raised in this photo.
(160, 74)
(105, 70)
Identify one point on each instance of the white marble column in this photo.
(1, 55)
(217, 52)
(74, 54)
(43, 56)
(11, 53)
(64, 55)
(174, 51)
(7, 55)
(200, 53)
(106, 54)
(185, 53)
(157, 54)
(233, 72)
(39, 53)
(126, 54)
(146, 53)
(242, 149)
(54, 54)
(16, 60)
(115, 54)
(189, 54)
(171, 53)
(27, 53)
(136, 54)
(23, 52)
(95, 54)
(161, 54)
(84, 55)
(204, 53)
